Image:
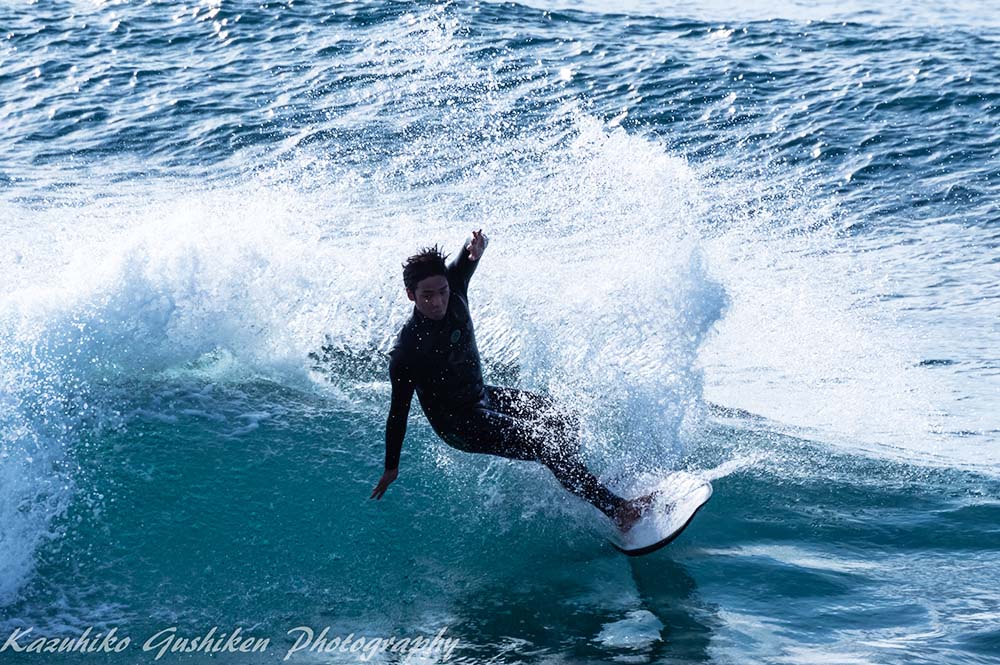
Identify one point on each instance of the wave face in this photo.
(761, 245)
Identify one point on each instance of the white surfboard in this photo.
(676, 499)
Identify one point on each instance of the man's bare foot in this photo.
(626, 518)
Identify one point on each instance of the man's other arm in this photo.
(395, 425)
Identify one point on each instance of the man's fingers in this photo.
(477, 244)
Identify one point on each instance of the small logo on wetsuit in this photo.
(455, 335)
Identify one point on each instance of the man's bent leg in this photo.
(555, 432)
(558, 425)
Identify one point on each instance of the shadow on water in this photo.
(670, 593)
(586, 609)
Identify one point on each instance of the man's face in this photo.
(431, 296)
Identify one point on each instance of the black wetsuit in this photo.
(439, 360)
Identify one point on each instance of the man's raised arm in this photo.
(460, 268)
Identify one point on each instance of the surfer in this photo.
(435, 355)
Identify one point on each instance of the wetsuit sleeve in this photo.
(401, 377)
(460, 269)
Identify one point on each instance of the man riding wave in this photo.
(435, 355)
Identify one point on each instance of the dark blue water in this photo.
(761, 245)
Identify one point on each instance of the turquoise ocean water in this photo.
(757, 242)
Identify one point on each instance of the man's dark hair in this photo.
(428, 262)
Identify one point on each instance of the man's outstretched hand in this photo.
(478, 244)
(383, 483)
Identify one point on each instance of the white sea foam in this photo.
(638, 630)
